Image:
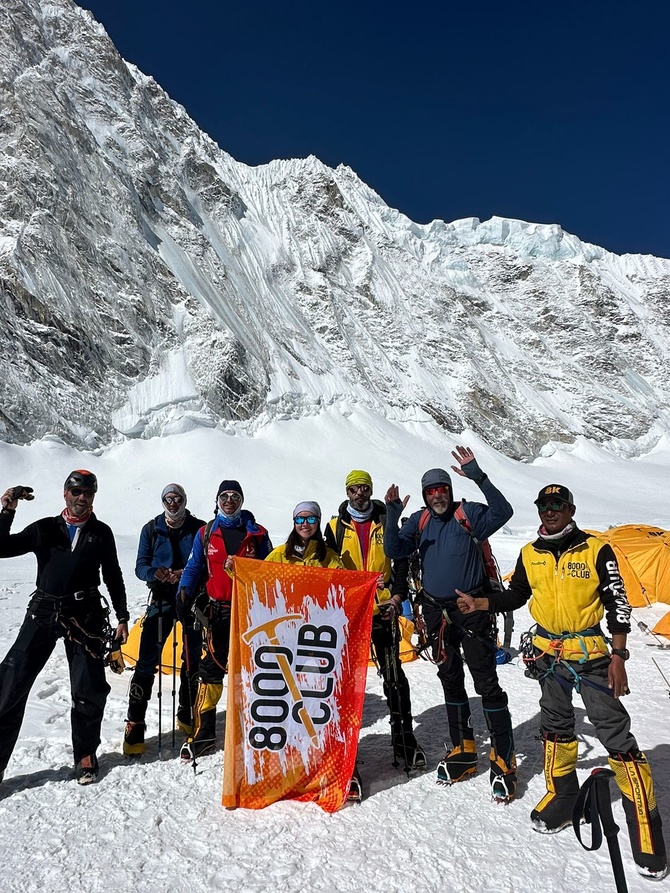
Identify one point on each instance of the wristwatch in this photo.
(623, 653)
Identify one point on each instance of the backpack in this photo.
(489, 563)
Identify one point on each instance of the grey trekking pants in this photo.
(608, 715)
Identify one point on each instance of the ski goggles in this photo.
(359, 488)
(305, 519)
(82, 491)
(439, 490)
(229, 496)
(556, 505)
(173, 500)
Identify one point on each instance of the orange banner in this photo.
(299, 646)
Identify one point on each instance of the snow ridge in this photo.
(152, 284)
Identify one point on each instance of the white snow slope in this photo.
(150, 826)
(132, 247)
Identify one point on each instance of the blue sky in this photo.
(548, 112)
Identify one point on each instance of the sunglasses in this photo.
(442, 490)
(173, 500)
(360, 488)
(82, 491)
(556, 505)
(309, 519)
(230, 497)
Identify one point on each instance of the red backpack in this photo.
(486, 555)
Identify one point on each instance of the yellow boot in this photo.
(458, 764)
(633, 776)
(204, 732)
(554, 811)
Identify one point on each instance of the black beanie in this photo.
(229, 485)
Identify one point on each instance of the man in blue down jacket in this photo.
(451, 559)
(164, 547)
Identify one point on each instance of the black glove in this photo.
(473, 471)
(21, 492)
(390, 609)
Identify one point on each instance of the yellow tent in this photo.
(131, 649)
(643, 553)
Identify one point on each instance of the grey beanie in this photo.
(312, 507)
(177, 489)
(435, 477)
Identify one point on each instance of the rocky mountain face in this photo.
(150, 283)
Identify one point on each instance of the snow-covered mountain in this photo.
(150, 283)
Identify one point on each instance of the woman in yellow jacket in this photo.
(305, 544)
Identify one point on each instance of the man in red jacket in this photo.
(233, 531)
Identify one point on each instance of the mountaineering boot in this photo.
(405, 746)
(554, 811)
(140, 692)
(204, 733)
(502, 758)
(355, 793)
(133, 739)
(633, 776)
(86, 771)
(458, 764)
(503, 778)
(408, 749)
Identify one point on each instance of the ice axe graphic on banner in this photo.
(270, 630)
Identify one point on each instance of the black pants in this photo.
(216, 643)
(387, 658)
(23, 662)
(469, 639)
(156, 629)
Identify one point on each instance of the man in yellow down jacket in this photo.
(356, 534)
(572, 580)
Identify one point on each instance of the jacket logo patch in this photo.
(579, 569)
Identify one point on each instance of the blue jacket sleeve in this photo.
(400, 542)
(486, 519)
(145, 555)
(195, 567)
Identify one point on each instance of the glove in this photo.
(115, 660)
(23, 493)
(390, 609)
(472, 471)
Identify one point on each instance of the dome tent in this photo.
(643, 553)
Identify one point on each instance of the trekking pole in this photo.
(174, 681)
(160, 678)
(665, 678)
(658, 644)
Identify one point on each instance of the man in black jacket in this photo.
(72, 550)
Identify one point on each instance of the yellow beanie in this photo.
(358, 477)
